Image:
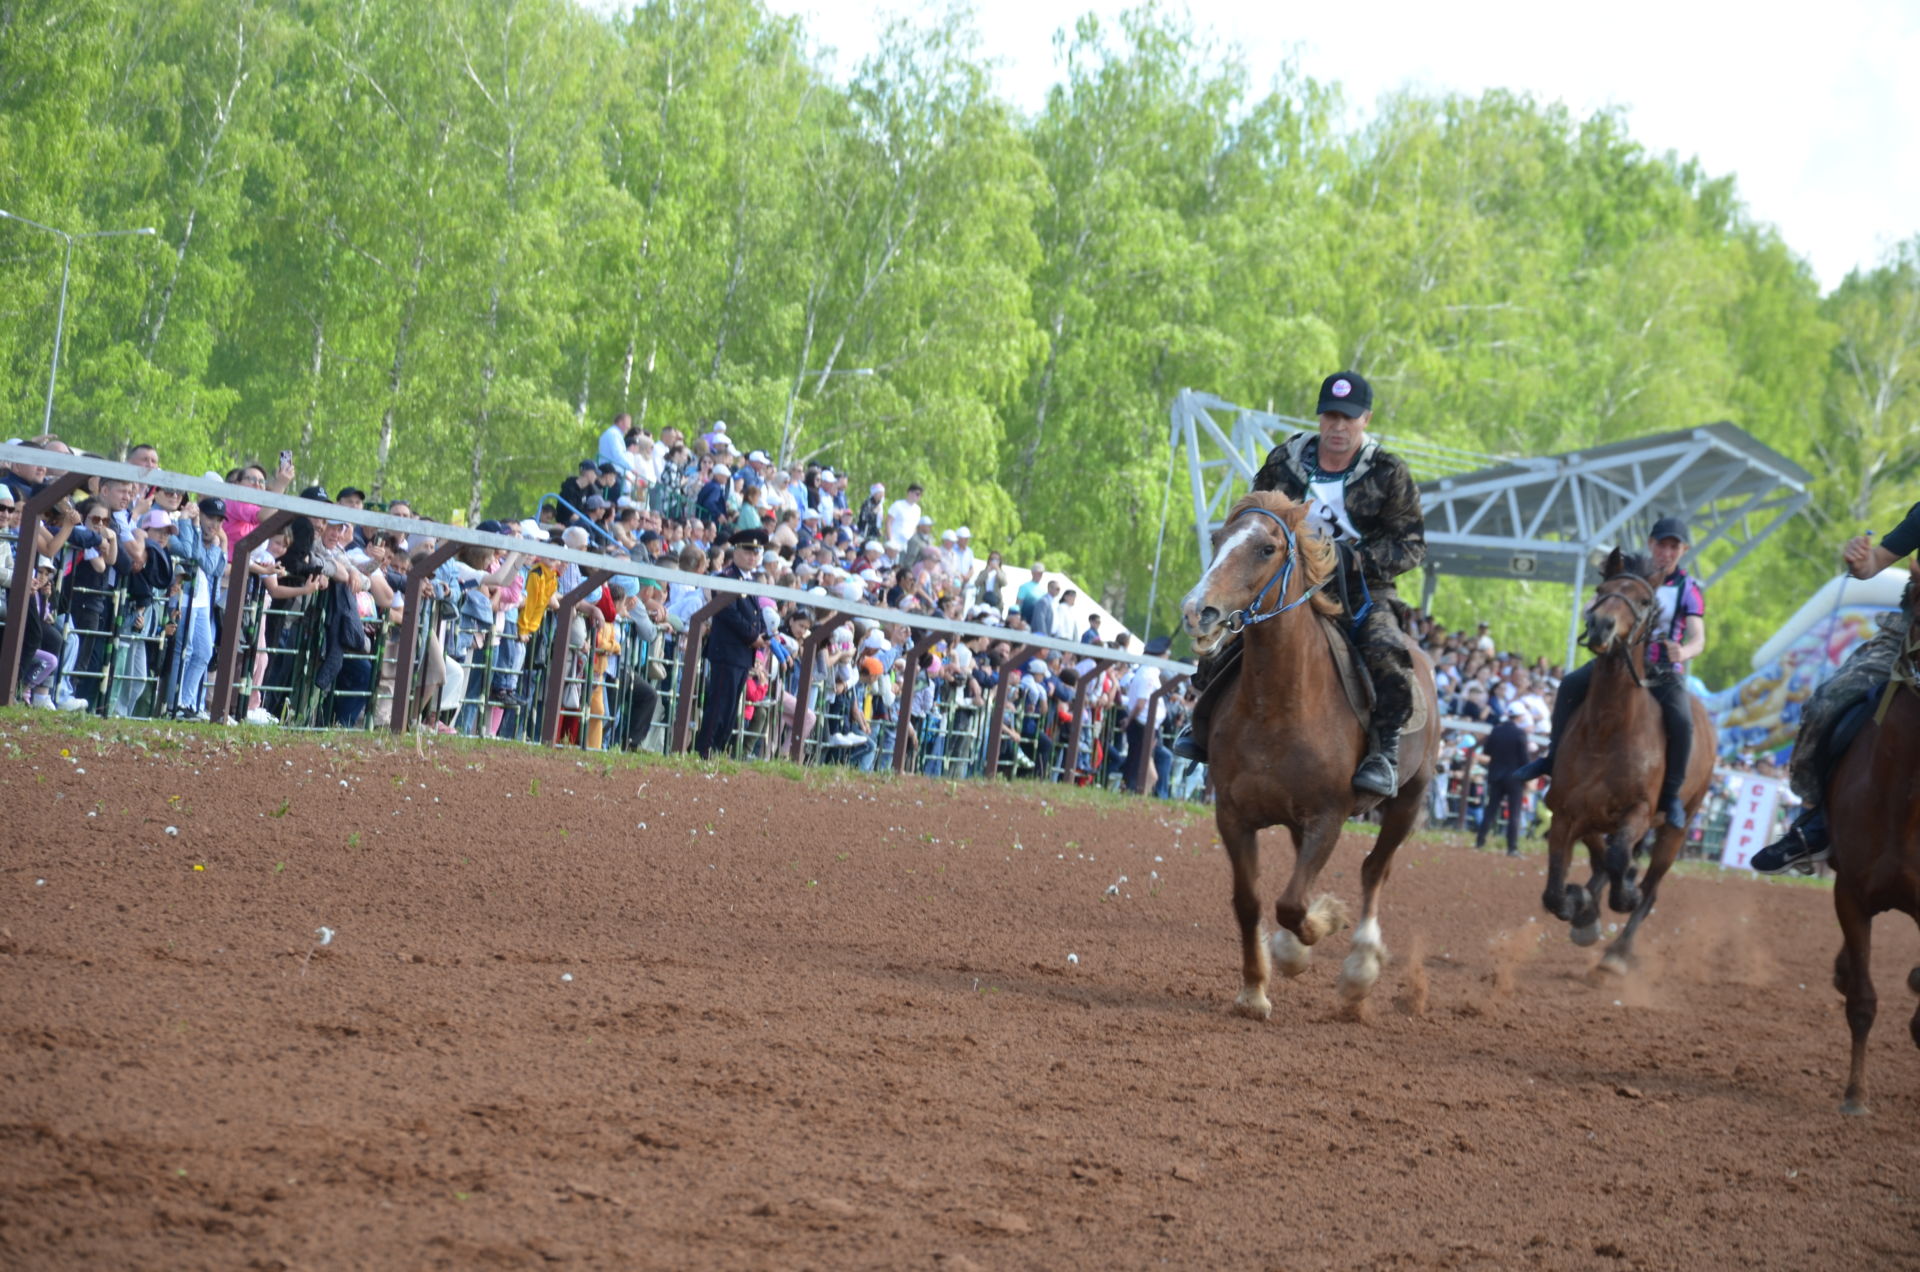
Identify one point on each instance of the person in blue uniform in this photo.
(732, 639)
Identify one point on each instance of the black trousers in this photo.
(1508, 789)
(721, 709)
(1676, 718)
(642, 701)
(1139, 747)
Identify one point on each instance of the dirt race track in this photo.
(615, 1016)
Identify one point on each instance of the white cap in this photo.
(719, 426)
(826, 474)
(43, 563)
(532, 529)
(626, 502)
(722, 471)
(873, 545)
(870, 576)
(876, 489)
(757, 457)
(811, 514)
(925, 520)
(948, 536)
(964, 533)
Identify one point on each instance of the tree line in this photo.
(432, 246)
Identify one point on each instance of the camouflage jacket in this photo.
(1382, 503)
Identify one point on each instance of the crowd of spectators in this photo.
(130, 597)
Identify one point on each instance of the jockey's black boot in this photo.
(1188, 745)
(1539, 766)
(1670, 805)
(1378, 773)
(1804, 845)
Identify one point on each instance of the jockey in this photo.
(1865, 670)
(1679, 636)
(1365, 498)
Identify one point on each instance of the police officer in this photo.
(1865, 670)
(736, 633)
(1679, 636)
(1365, 499)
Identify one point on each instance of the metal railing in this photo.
(429, 669)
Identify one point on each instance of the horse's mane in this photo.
(1637, 563)
(1317, 556)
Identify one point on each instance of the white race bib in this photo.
(1327, 509)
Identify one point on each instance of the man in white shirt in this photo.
(903, 518)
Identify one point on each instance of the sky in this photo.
(1815, 111)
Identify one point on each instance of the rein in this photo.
(1642, 618)
(1241, 619)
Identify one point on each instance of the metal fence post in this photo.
(226, 658)
(557, 659)
(823, 628)
(405, 701)
(24, 556)
(903, 705)
(691, 642)
(1098, 670)
(997, 717)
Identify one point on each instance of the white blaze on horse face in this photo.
(1196, 600)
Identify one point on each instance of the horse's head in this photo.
(1622, 604)
(1250, 549)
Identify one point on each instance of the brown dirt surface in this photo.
(654, 1016)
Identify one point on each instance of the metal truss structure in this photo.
(1515, 518)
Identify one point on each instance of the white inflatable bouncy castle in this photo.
(1760, 715)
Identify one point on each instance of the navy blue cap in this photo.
(1345, 393)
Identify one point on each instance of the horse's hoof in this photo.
(1585, 936)
(1289, 956)
(1853, 1108)
(1252, 1004)
(1614, 965)
(1359, 973)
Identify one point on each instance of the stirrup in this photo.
(1377, 775)
(1797, 850)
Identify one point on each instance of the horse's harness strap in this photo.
(1642, 618)
(1906, 671)
(1241, 619)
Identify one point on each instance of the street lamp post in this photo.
(60, 317)
(793, 398)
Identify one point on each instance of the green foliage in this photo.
(431, 246)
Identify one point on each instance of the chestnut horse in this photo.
(1284, 742)
(1873, 807)
(1607, 770)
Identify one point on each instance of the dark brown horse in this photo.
(1606, 784)
(1285, 743)
(1873, 807)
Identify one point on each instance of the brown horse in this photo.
(1606, 785)
(1285, 743)
(1873, 807)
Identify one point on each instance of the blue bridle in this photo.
(1241, 619)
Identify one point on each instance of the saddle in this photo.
(1354, 680)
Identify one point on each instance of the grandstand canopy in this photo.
(1502, 517)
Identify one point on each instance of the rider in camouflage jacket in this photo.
(1381, 506)
(1865, 670)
